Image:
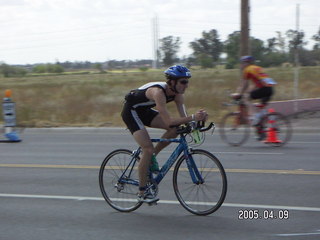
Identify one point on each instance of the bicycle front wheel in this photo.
(118, 180)
(234, 130)
(200, 198)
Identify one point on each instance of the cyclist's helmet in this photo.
(177, 71)
(247, 59)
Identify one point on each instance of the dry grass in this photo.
(96, 99)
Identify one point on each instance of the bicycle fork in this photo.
(193, 169)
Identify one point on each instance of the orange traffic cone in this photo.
(272, 131)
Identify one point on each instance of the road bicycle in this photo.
(199, 179)
(272, 128)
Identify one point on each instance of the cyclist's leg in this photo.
(157, 122)
(136, 119)
(143, 139)
(254, 95)
(263, 94)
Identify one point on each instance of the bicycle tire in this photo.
(234, 131)
(204, 198)
(120, 196)
(282, 126)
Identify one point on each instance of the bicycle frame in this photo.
(245, 114)
(181, 148)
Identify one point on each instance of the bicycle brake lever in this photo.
(207, 128)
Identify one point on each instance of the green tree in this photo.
(232, 48)
(272, 59)
(205, 61)
(315, 54)
(281, 42)
(316, 38)
(274, 52)
(12, 71)
(209, 46)
(39, 69)
(257, 48)
(169, 48)
(296, 40)
(296, 43)
(99, 67)
(48, 68)
(271, 45)
(55, 68)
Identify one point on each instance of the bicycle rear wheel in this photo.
(277, 129)
(233, 130)
(200, 198)
(118, 180)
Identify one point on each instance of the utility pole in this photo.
(296, 63)
(155, 39)
(245, 27)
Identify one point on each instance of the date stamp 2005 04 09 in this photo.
(252, 214)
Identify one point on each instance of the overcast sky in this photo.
(46, 31)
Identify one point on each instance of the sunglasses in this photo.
(184, 82)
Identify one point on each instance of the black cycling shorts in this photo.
(263, 93)
(137, 119)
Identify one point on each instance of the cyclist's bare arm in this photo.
(179, 100)
(158, 96)
(201, 115)
(243, 86)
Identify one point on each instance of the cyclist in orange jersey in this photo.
(262, 86)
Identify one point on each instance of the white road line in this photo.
(252, 206)
(235, 205)
(297, 234)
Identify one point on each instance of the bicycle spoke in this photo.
(233, 131)
(119, 194)
(205, 198)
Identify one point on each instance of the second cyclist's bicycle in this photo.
(272, 128)
(199, 179)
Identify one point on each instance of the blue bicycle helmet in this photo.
(247, 59)
(176, 72)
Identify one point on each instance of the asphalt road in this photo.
(49, 190)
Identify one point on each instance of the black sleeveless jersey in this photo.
(137, 97)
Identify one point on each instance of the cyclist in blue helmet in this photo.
(176, 72)
(138, 112)
(247, 59)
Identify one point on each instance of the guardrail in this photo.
(291, 107)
